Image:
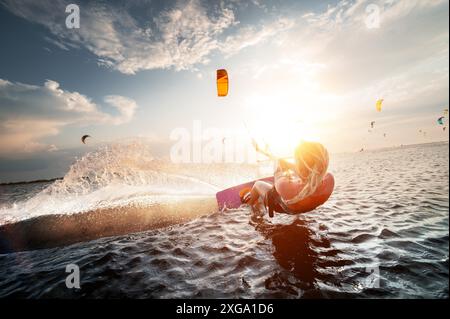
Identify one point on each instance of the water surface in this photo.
(382, 234)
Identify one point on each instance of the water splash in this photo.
(124, 173)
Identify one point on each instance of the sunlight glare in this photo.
(281, 123)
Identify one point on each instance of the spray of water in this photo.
(124, 173)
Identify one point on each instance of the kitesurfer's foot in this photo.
(256, 209)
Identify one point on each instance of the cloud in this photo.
(329, 60)
(125, 106)
(179, 37)
(251, 36)
(331, 68)
(354, 14)
(29, 113)
(410, 34)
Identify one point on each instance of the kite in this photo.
(440, 120)
(83, 138)
(222, 82)
(379, 105)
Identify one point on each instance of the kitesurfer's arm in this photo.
(281, 164)
(262, 151)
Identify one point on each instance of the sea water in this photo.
(382, 234)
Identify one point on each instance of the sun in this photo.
(281, 123)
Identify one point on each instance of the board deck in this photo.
(229, 198)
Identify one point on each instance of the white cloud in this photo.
(125, 106)
(250, 36)
(352, 14)
(411, 33)
(332, 67)
(180, 37)
(29, 113)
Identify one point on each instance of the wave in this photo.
(48, 231)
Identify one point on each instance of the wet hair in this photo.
(311, 158)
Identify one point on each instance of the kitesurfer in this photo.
(293, 182)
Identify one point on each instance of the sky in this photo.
(297, 69)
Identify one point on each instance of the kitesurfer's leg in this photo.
(258, 193)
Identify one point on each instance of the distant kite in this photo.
(440, 120)
(222, 82)
(83, 138)
(379, 105)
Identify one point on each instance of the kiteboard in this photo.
(232, 197)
